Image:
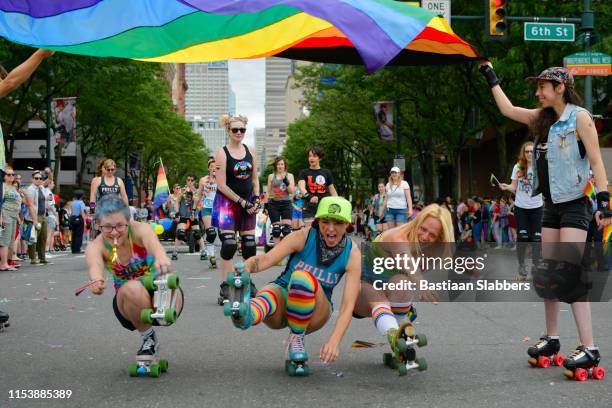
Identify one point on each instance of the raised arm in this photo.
(18, 75)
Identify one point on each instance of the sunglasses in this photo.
(111, 169)
(10, 174)
(236, 130)
(38, 178)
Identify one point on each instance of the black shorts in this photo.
(184, 220)
(278, 210)
(572, 214)
(310, 210)
(126, 323)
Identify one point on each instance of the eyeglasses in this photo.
(109, 228)
(111, 169)
(10, 174)
(236, 130)
(37, 178)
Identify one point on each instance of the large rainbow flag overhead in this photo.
(162, 192)
(372, 32)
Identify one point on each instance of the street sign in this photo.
(439, 7)
(589, 63)
(549, 32)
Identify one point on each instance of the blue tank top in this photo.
(328, 276)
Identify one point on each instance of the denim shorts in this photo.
(396, 215)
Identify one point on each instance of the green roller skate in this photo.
(403, 355)
(166, 291)
(239, 306)
(295, 365)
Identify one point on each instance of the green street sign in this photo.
(587, 58)
(549, 32)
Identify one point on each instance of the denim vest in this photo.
(568, 172)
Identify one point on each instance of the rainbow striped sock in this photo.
(383, 318)
(301, 300)
(263, 305)
(403, 310)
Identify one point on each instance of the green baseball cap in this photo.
(335, 208)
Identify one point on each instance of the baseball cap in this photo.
(335, 208)
(395, 169)
(557, 74)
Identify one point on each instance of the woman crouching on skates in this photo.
(130, 252)
(392, 311)
(566, 146)
(301, 296)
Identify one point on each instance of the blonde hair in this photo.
(225, 120)
(410, 230)
(400, 178)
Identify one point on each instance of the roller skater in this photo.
(207, 189)
(280, 189)
(137, 262)
(314, 183)
(565, 138)
(392, 311)
(300, 297)
(237, 200)
(187, 229)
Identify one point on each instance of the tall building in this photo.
(283, 106)
(208, 90)
(231, 104)
(260, 148)
(208, 97)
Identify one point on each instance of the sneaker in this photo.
(45, 262)
(35, 262)
(147, 349)
(15, 258)
(14, 264)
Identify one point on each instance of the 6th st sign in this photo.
(549, 32)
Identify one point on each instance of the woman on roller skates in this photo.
(237, 200)
(566, 146)
(207, 189)
(392, 311)
(130, 252)
(301, 296)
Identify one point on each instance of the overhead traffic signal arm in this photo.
(496, 12)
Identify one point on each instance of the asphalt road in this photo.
(476, 353)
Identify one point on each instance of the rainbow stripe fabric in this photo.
(372, 32)
(162, 190)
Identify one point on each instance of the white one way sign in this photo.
(439, 7)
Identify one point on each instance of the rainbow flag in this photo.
(162, 191)
(591, 192)
(374, 33)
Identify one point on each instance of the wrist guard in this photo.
(489, 75)
(603, 204)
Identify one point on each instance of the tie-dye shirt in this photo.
(140, 264)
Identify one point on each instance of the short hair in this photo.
(317, 151)
(277, 160)
(111, 204)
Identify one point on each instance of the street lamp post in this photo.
(471, 146)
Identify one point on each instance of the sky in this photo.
(248, 81)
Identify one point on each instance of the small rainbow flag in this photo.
(162, 191)
(591, 192)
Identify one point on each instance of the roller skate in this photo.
(540, 354)
(238, 306)
(4, 317)
(203, 256)
(213, 262)
(146, 363)
(522, 273)
(174, 256)
(584, 363)
(403, 355)
(223, 294)
(295, 365)
(166, 291)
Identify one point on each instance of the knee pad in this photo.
(249, 247)
(197, 234)
(276, 231)
(181, 235)
(570, 283)
(537, 237)
(286, 230)
(211, 234)
(229, 246)
(543, 282)
(522, 236)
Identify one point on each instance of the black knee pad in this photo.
(211, 234)
(229, 246)
(276, 231)
(197, 234)
(181, 235)
(522, 236)
(286, 230)
(249, 247)
(543, 279)
(571, 285)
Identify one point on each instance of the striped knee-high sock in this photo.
(403, 310)
(301, 300)
(383, 319)
(263, 305)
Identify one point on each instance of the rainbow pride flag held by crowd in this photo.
(374, 33)
(162, 192)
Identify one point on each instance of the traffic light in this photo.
(496, 16)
